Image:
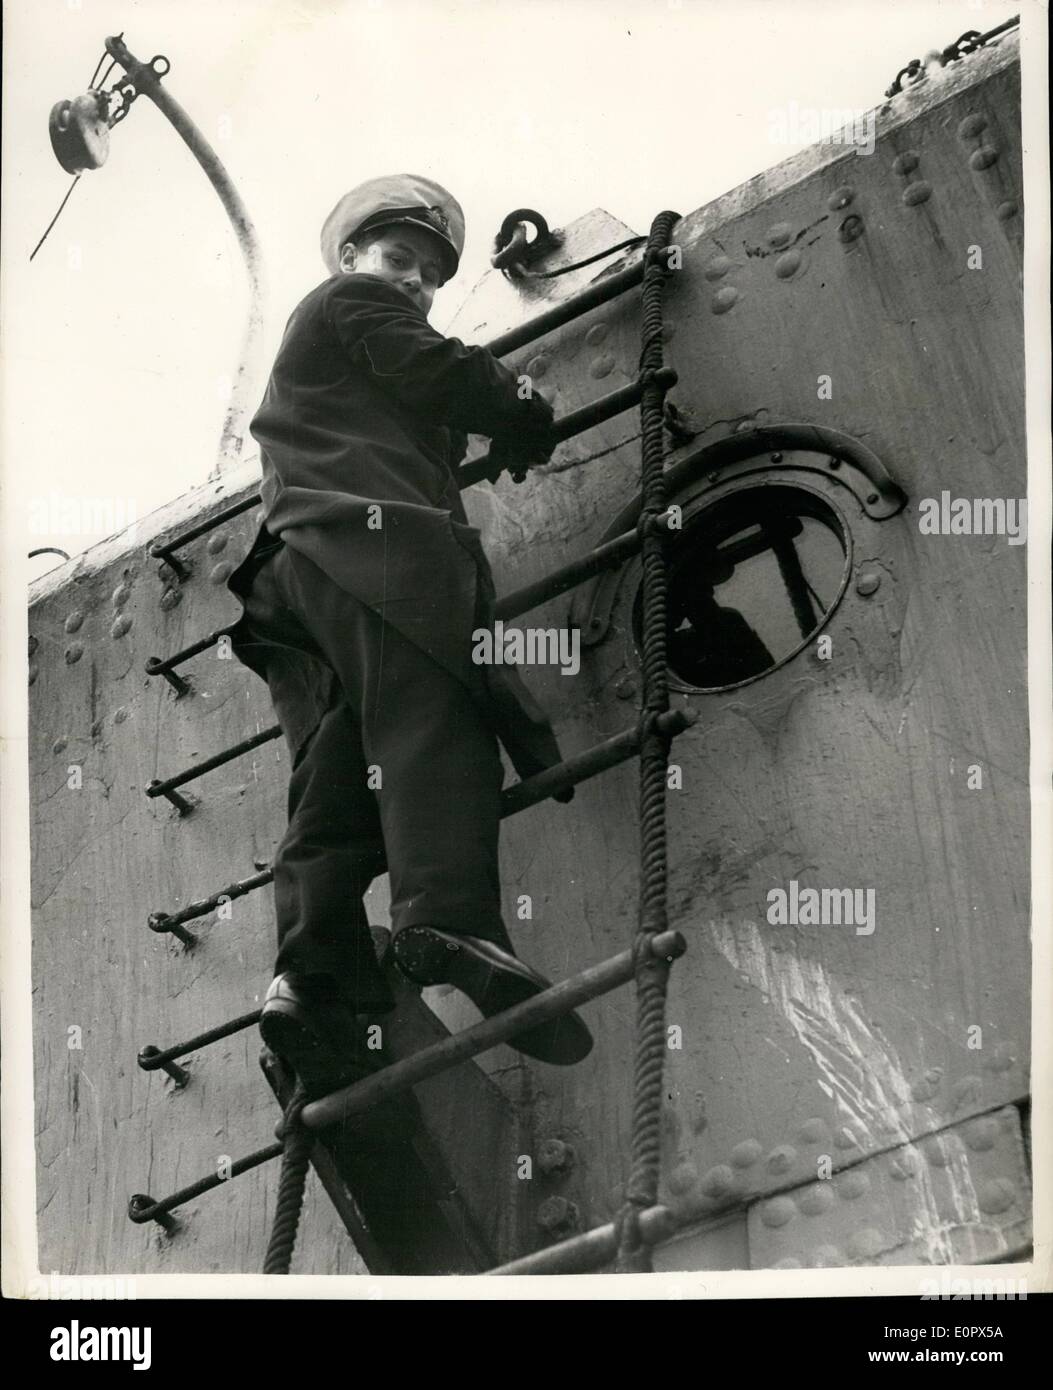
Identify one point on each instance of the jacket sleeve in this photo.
(383, 333)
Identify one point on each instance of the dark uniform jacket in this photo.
(367, 404)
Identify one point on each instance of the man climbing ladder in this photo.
(360, 593)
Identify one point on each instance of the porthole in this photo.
(752, 577)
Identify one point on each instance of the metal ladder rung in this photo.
(591, 1249)
(612, 751)
(401, 1076)
(590, 298)
(164, 551)
(168, 786)
(605, 408)
(559, 999)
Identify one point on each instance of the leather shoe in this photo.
(494, 980)
(309, 1023)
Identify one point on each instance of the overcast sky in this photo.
(118, 338)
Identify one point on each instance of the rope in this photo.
(651, 975)
(295, 1159)
(58, 214)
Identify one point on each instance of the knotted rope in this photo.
(651, 974)
(296, 1156)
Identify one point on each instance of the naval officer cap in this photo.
(390, 199)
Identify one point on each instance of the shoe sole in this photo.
(429, 960)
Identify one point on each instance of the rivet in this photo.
(778, 1212)
(970, 126)
(868, 583)
(718, 1181)
(33, 645)
(537, 366)
(853, 1185)
(967, 1091)
(903, 1165)
(780, 234)
(222, 572)
(171, 598)
(937, 1153)
(625, 689)
(602, 366)
(788, 264)
(840, 198)
(60, 745)
(813, 1131)
(851, 229)
(983, 158)
(747, 1153)
(74, 621)
(996, 1196)
(776, 458)
(981, 1135)
(554, 1156)
(74, 652)
(872, 499)
(120, 714)
(916, 193)
(814, 1200)
(1006, 210)
(120, 625)
(927, 1086)
(905, 163)
(827, 1257)
(596, 333)
(120, 595)
(1002, 1058)
(724, 299)
(683, 1179)
(865, 1244)
(782, 1159)
(216, 542)
(717, 268)
(556, 1213)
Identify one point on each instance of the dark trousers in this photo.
(403, 762)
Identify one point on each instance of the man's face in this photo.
(404, 255)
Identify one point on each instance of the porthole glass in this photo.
(752, 578)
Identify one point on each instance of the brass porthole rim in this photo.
(706, 497)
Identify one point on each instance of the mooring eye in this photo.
(752, 577)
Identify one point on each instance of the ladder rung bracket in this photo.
(143, 1208)
(153, 1059)
(167, 787)
(560, 999)
(164, 551)
(156, 666)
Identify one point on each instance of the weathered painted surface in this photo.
(852, 772)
